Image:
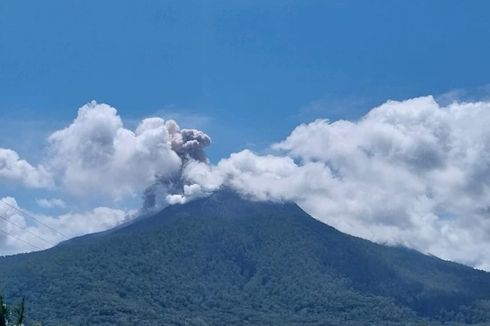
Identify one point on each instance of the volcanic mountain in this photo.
(226, 260)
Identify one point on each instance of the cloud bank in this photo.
(408, 173)
(411, 173)
(26, 234)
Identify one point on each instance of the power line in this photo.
(26, 230)
(34, 218)
(19, 239)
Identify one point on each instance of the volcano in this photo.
(228, 260)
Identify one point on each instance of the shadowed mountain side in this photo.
(225, 260)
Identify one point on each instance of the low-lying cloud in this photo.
(408, 173)
(411, 173)
(22, 232)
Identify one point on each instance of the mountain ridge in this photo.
(228, 260)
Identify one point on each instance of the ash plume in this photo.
(189, 145)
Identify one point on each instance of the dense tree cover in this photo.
(228, 261)
(14, 317)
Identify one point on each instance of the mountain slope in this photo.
(224, 260)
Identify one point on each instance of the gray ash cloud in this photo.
(189, 145)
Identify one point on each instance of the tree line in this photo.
(12, 316)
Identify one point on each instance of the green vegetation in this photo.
(4, 313)
(14, 318)
(228, 261)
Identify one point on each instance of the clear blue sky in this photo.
(246, 72)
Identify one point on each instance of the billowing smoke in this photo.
(189, 145)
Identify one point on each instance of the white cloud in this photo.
(411, 173)
(96, 155)
(51, 203)
(25, 234)
(13, 169)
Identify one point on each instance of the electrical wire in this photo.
(26, 230)
(26, 214)
(19, 239)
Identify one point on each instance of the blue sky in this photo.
(247, 71)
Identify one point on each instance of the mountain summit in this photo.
(226, 260)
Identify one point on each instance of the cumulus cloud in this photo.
(20, 233)
(97, 155)
(411, 173)
(51, 203)
(13, 169)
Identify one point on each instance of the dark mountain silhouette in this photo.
(225, 260)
